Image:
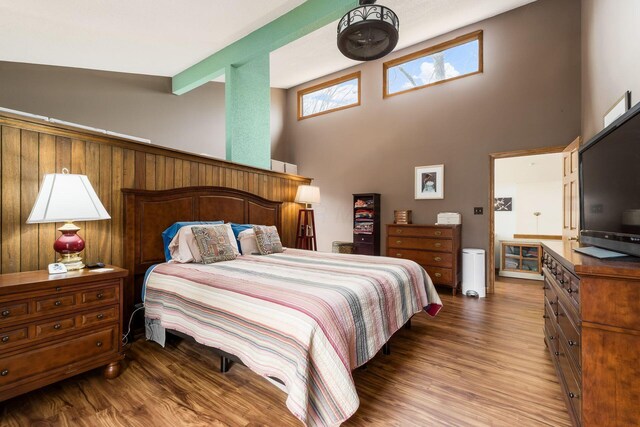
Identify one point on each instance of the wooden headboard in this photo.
(148, 213)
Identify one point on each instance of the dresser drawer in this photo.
(570, 335)
(59, 355)
(13, 310)
(51, 304)
(363, 238)
(105, 294)
(13, 336)
(550, 297)
(419, 243)
(436, 259)
(550, 330)
(99, 316)
(440, 276)
(55, 327)
(572, 384)
(421, 231)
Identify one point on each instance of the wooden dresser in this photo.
(435, 247)
(54, 327)
(592, 331)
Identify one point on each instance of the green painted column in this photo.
(248, 104)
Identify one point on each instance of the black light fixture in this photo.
(368, 32)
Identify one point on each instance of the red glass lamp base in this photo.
(69, 245)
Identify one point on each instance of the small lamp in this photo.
(306, 237)
(66, 197)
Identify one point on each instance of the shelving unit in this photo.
(521, 260)
(366, 223)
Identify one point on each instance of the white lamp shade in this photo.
(308, 194)
(66, 197)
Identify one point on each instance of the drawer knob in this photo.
(438, 274)
(551, 337)
(572, 395)
(557, 353)
(437, 259)
(561, 281)
(99, 295)
(544, 316)
(571, 343)
(551, 302)
(399, 255)
(99, 344)
(399, 242)
(58, 288)
(399, 230)
(4, 372)
(57, 326)
(438, 233)
(57, 303)
(437, 245)
(5, 338)
(100, 316)
(6, 313)
(570, 290)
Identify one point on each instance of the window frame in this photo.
(324, 85)
(476, 35)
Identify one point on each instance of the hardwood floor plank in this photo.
(481, 362)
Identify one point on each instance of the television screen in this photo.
(610, 180)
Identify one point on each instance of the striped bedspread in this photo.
(306, 318)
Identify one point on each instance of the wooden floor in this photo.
(479, 363)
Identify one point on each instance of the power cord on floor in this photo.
(125, 337)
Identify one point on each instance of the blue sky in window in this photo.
(453, 62)
(336, 96)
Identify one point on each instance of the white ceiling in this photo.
(164, 37)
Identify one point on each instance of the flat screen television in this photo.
(610, 186)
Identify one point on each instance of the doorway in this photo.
(519, 207)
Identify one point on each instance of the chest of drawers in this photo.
(435, 247)
(56, 326)
(592, 331)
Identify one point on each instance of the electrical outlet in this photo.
(477, 211)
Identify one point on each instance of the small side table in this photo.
(55, 326)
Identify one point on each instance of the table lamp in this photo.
(66, 197)
(306, 237)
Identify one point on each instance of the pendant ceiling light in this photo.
(368, 32)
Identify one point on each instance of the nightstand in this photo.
(55, 326)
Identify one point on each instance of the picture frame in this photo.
(429, 182)
(621, 106)
(503, 204)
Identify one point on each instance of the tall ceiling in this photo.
(164, 37)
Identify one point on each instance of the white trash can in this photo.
(473, 272)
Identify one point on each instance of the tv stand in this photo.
(599, 252)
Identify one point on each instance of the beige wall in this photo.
(128, 103)
(527, 97)
(610, 58)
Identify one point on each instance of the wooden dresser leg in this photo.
(455, 290)
(112, 370)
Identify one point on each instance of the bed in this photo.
(304, 318)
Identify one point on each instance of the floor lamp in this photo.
(306, 231)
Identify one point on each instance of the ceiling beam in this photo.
(304, 19)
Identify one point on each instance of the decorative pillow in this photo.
(239, 228)
(184, 248)
(248, 242)
(214, 243)
(169, 234)
(268, 239)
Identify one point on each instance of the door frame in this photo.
(491, 262)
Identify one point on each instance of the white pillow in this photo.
(184, 248)
(248, 242)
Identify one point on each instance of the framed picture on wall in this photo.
(429, 182)
(503, 204)
(619, 108)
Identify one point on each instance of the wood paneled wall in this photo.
(31, 149)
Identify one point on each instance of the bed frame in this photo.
(148, 213)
